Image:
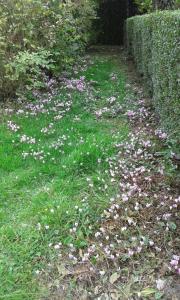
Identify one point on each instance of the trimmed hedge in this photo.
(153, 42)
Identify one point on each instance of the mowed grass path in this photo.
(41, 199)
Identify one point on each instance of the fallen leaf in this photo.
(148, 291)
(114, 277)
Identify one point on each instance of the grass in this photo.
(34, 195)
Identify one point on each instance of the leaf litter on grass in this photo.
(53, 160)
(117, 237)
(134, 252)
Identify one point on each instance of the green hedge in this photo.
(153, 42)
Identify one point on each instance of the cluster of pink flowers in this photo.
(13, 126)
(162, 135)
(38, 154)
(138, 115)
(175, 263)
(76, 84)
(101, 111)
(130, 114)
(49, 129)
(111, 100)
(27, 139)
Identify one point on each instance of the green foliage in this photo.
(26, 68)
(148, 5)
(178, 3)
(40, 29)
(144, 5)
(152, 40)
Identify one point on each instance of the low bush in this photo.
(153, 42)
(37, 34)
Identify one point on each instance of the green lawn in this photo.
(41, 200)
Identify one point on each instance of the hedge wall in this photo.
(153, 42)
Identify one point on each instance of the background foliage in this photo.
(153, 41)
(40, 34)
(144, 6)
(147, 5)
